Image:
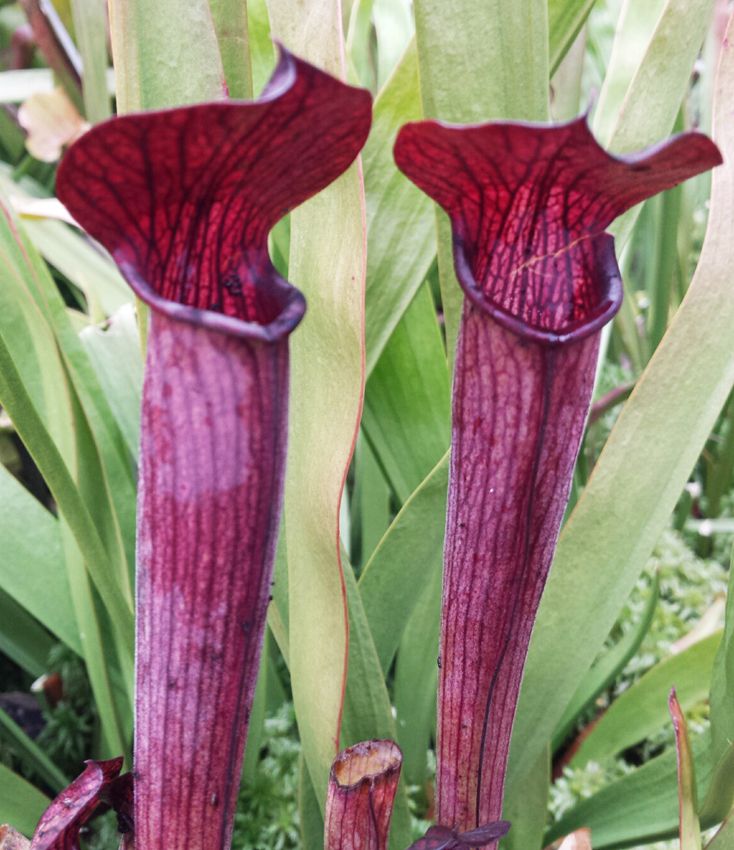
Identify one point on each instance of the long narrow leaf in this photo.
(30, 753)
(407, 410)
(31, 570)
(607, 668)
(690, 828)
(641, 709)
(367, 709)
(649, 102)
(230, 24)
(165, 53)
(400, 221)
(22, 638)
(328, 262)
(416, 676)
(638, 808)
(565, 19)
(90, 25)
(56, 474)
(724, 838)
(401, 565)
(721, 701)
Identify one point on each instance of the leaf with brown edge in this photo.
(327, 258)
(529, 206)
(60, 824)
(184, 200)
(689, 826)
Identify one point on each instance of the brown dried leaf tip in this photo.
(579, 840)
(10, 839)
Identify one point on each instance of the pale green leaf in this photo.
(83, 264)
(311, 821)
(565, 19)
(367, 709)
(401, 227)
(32, 566)
(479, 60)
(262, 54)
(724, 838)
(635, 27)
(407, 407)
(640, 807)
(528, 814)
(607, 668)
(327, 262)
(394, 29)
(115, 354)
(722, 719)
(360, 44)
(90, 27)
(230, 25)
(165, 53)
(644, 112)
(256, 720)
(642, 709)
(403, 563)
(369, 507)
(416, 673)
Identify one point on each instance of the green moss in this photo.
(267, 812)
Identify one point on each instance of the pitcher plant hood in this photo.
(184, 200)
(529, 206)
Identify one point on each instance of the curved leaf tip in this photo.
(62, 821)
(184, 198)
(529, 204)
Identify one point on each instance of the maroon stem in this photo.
(529, 205)
(184, 200)
(518, 418)
(359, 803)
(212, 459)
